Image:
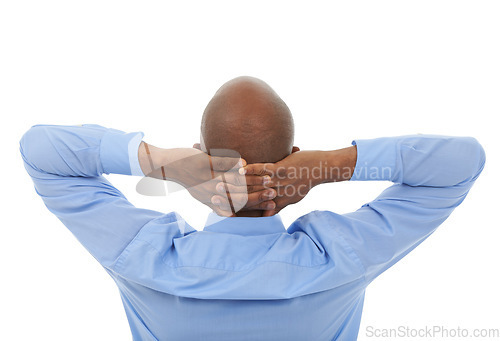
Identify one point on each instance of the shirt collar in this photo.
(246, 226)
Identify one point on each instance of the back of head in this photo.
(246, 115)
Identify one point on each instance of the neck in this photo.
(252, 214)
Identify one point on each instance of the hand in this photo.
(293, 177)
(205, 176)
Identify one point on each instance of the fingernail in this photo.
(267, 179)
(216, 201)
(242, 171)
(242, 163)
(270, 206)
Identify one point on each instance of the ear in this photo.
(295, 149)
(197, 146)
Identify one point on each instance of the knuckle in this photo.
(270, 169)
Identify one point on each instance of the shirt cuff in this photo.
(120, 152)
(376, 160)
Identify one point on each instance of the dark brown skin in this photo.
(294, 176)
(202, 175)
(246, 164)
(246, 115)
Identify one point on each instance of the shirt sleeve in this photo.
(432, 176)
(66, 164)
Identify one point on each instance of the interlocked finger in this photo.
(223, 187)
(242, 200)
(237, 179)
(258, 169)
(225, 164)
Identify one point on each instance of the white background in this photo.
(358, 69)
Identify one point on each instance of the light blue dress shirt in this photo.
(247, 278)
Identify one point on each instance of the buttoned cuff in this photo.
(376, 160)
(120, 152)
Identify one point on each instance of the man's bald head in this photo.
(246, 115)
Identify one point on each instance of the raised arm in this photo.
(66, 164)
(432, 176)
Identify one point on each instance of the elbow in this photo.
(26, 143)
(475, 158)
(481, 157)
(31, 142)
